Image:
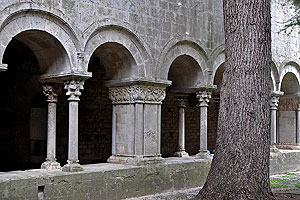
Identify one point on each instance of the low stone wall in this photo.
(114, 181)
(285, 161)
(105, 181)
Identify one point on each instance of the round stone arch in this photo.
(113, 34)
(290, 67)
(48, 27)
(187, 48)
(275, 77)
(219, 60)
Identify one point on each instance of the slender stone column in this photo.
(182, 103)
(73, 88)
(273, 125)
(203, 98)
(52, 92)
(298, 124)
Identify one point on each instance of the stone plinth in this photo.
(136, 123)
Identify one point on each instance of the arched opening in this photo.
(23, 106)
(109, 62)
(287, 108)
(185, 74)
(51, 55)
(213, 110)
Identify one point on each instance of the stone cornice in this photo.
(60, 78)
(137, 94)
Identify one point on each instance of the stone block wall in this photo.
(95, 119)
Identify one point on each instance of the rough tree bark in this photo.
(240, 167)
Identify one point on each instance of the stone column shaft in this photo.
(73, 132)
(52, 92)
(203, 97)
(181, 129)
(273, 127)
(51, 129)
(182, 103)
(73, 88)
(298, 124)
(273, 124)
(114, 127)
(203, 128)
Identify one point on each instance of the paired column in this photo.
(273, 125)
(73, 87)
(182, 103)
(52, 91)
(136, 131)
(203, 98)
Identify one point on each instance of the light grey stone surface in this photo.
(287, 127)
(116, 181)
(142, 44)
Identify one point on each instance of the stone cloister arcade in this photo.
(102, 96)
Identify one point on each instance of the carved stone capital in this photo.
(182, 100)
(137, 94)
(74, 87)
(52, 91)
(203, 98)
(217, 103)
(274, 102)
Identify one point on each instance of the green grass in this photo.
(279, 183)
(289, 177)
(297, 185)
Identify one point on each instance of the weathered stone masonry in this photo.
(126, 82)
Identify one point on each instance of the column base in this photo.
(181, 153)
(204, 155)
(49, 165)
(274, 149)
(135, 159)
(72, 167)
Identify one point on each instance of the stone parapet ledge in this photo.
(137, 160)
(108, 181)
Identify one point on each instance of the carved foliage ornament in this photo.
(74, 87)
(52, 91)
(274, 102)
(203, 98)
(137, 94)
(182, 101)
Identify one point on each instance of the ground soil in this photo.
(287, 196)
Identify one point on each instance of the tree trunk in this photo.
(240, 167)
